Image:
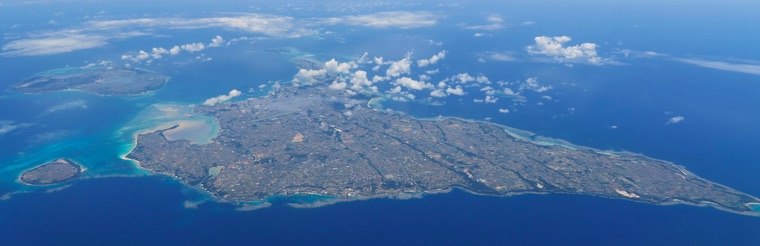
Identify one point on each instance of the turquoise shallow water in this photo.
(98, 131)
(754, 206)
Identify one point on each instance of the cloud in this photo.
(175, 50)
(746, 66)
(159, 52)
(216, 41)
(725, 66)
(412, 84)
(222, 98)
(554, 47)
(495, 19)
(309, 76)
(338, 85)
(55, 43)
(98, 33)
(532, 84)
(491, 99)
(463, 78)
(504, 56)
(79, 104)
(433, 60)
(397, 68)
(503, 110)
(438, 93)
(334, 67)
(455, 91)
(483, 79)
(433, 42)
(51, 136)
(488, 99)
(675, 120)
(494, 23)
(398, 82)
(7, 126)
(269, 25)
(393, 19)
(360, 82)
(193, 47)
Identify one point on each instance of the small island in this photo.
(54, 172)
(104, 81)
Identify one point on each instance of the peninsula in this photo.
(316, 141)
(54, 172)
(96, 80)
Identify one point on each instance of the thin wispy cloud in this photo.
(675, 120)
(7, 126)
(498, 56)
(494, 23)
(53, 44)
(743, 66)
(78, 104)
(270, 25)
(393, 19)
(98, 33)
(725, 66)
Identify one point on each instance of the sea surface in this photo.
(148, 209)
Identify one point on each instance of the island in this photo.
(54, 172)
(314, 141)
(107, 81)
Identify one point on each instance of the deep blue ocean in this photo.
(617, 107)
(149, 211)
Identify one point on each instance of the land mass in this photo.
(317, 141)
(54, 172)
(96, 80)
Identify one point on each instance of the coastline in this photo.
(376, 104)
(81, 169)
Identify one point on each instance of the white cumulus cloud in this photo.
(555, 47)
(222, 98)
(413, 84)
(334, 67)
(193, 47)
(455, 91)
(438, 93)
(309, 76)
(433, 60)
(532, 84)
(216, 41)
(397, 68)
